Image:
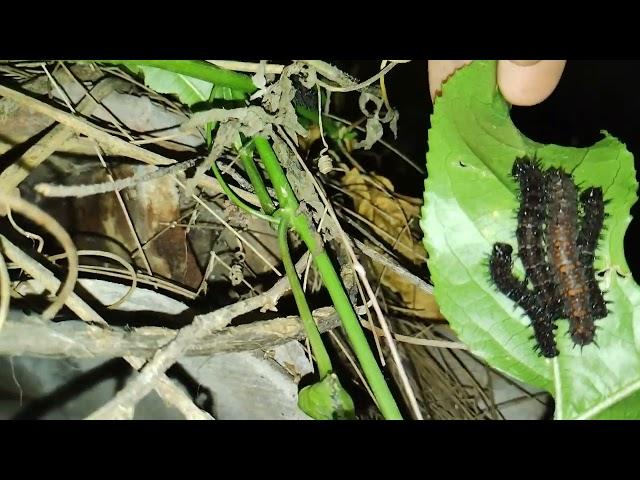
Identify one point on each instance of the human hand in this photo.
(522, 82)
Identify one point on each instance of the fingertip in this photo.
(527, 85)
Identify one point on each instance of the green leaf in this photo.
(326, 400)
(188, 89)
(471, 203)
(191, 81)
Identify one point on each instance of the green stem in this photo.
(311, 329)
(289, 209)
(197, 69)
(236, 200)
(255, 178)
(284, 192)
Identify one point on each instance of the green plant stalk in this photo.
(236, 200)
(317, 346)
(197, 69)
(319, 351)
(289, 208)
(246, 155)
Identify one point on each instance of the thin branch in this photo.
(359, 86)
(28, 335)
(249, 67)
(112, 256)
(395, 267)
(15, 173)
(202, 325)
(169, 392)
(114, 145)
(50, 224)
(79, 191)
(5, 295)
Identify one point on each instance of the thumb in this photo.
(528, 82)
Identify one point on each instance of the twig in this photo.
(50, 224)
(168, 392)
(112, 256)
(172, 394)
(30, 235)
(359, 86)
(15, 173)
(395, 267)
(79, 191)
(115, 145)
(425, 342)
(28, 335)
(5, 295)
(249, 67)
(202, 325)
(231, 229)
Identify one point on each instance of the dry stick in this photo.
(169, 392)
(359, 269)
(115, 146)
(249, 67)
(48, 280)
(50, 224)
(202, 325)
(359, 86)
(118, 124)
(14, 174)
(395, 267)
(157, 235)
(127, 217)
(424, 342)
(79, 191)
(28, 335)
(233, 230)
(5, 295)
(353, 364)
(207, 272)
(30, 235)
(112, 256)
(141, 278)
(63, 95)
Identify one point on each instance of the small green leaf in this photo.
(471, 203)
(326, 400)
(188, 89)
(191, 81)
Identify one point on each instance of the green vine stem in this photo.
(246, 155)
(236, 200)
(197, 69)
(289, 210)
(311, 329)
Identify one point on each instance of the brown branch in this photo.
(28, 335)
(168, 391)
(115, 145)
(202, 325)
(15, 173)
